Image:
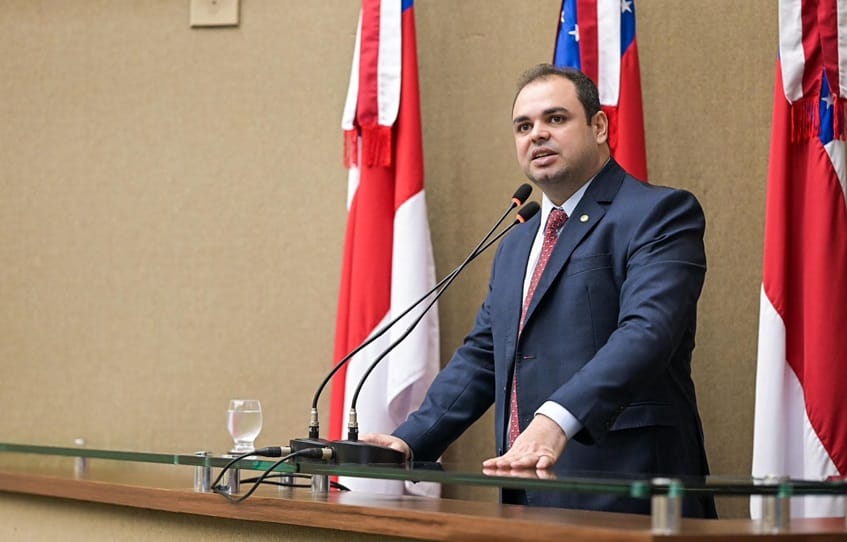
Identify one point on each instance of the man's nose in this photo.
(539, 133)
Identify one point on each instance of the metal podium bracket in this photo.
(776, 509)
(666, 508)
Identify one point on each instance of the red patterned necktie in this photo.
(555, 221)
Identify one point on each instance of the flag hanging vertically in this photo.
(388, 262)
(598, 38)
(800, 422)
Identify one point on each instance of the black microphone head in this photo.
(528, 211)
(522, 193)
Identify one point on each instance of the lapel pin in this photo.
(583, 218)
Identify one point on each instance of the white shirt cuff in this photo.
(562, 416)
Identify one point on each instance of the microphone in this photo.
(314, 440)
(354, 451)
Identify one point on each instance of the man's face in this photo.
(557, 148)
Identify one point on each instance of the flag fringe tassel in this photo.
(376, 145)
(806, 119)
(351, 148)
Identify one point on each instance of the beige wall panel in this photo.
(172, 202)
(163, 243)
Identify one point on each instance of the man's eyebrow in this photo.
(546, 112)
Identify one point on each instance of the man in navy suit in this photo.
(589, 364)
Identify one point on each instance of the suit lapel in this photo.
(585, 217)
(514, 265)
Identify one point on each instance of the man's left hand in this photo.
(538, 447)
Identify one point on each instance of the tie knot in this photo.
(556, 220)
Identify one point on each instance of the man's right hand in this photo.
(389, 441)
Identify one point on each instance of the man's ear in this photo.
(600, 125)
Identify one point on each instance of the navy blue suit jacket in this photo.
(608, 335)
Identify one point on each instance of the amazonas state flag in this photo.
(388, 262)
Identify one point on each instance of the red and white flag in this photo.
(801, 411)
(598, 38)
(388, 262)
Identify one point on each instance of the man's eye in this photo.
(557, 119)
(524, 127)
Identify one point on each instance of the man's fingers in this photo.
(545, 462)
(512, 460)
(389, 441)
(526, 461)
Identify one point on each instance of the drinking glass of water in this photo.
(244, 422)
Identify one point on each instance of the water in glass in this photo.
(244, 422)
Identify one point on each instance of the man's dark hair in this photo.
(586, 90)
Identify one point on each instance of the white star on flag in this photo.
(828, 100)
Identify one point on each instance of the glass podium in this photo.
(664, 493)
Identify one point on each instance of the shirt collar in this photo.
(569, 206)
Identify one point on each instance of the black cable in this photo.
(315, 453)
(333, 484)
(278, 475)
(339, 486)
(270, 451)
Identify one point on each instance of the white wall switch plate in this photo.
(213, 13)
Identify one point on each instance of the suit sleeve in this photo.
(664, 271)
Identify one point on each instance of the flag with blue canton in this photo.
(800, 430)
(598, 38)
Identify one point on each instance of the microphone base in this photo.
(298, 444)
(365, 453)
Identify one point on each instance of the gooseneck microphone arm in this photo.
(519, 197)
(313, 421)
(526, 212)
